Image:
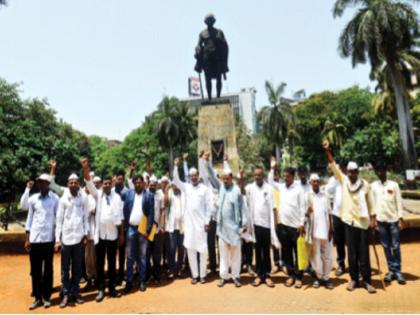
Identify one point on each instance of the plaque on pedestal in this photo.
(216, 133)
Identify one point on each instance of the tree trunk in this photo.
(278, 155)
(405, 122)
(171, 161)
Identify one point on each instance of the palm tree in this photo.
(166, 129)
(187, 121)
(409, 65)
(176, 125)
(334, 133)
(379, 32)
(277, 118)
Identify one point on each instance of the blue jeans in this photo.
(137, 248)
(176, 240)
(71, 255)
(390, 238)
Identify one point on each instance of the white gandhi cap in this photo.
(314, 177)
(44, 177)
(351, 166)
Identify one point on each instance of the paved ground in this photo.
(181, 297)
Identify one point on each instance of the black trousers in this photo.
(108, 248)
(247, 253)
(340, 240)
(211, 244)
(262, 251)
(41, 259)
(288, 239)
(121, 261)
(358, 252)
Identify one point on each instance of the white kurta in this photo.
(197, 213)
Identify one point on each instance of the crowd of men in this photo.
(152, 223)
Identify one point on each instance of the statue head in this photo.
(209, 19)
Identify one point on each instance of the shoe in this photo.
(64, 301)
(118, 281)
(351, 285)
(389, 277)
(194, 280)
(47, 303)
(275, 270)
(316, 284)
(257, 281)
(221, 283)
(269, 283)
(370, 288)
(128, 287)
(202, 280)
(339, 272)
(100, 296)
(328, 284)
(237, 283)
(400, 278)
(251, 272)
(89, 285)
(142, 287)
(114, 293)
(78, 299)
(289, 282)
(83, 280)
(298, 284)
(171, 276)
(35, 304)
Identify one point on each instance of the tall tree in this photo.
(384, 102)
(166, 128)
(277, 118)
(379, 31)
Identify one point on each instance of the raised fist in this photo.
(273, 162)
(84, 162)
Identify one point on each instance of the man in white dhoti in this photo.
(196, 221)
(230, 221)
(319, 211)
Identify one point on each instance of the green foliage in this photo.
(249, 147)
(348, 110)
(30, 135)
(377, 142)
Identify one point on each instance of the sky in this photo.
(104, 65)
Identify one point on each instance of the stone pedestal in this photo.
(216, 133)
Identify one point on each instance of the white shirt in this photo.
(41, 217)
(137, 211)
(109, 213)
(175, 212)
(72, 218)
(387, 201)
(261, 203)
(292, 205)
(321, 214)
(92, 211)
(158, 208)
(334, 187)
